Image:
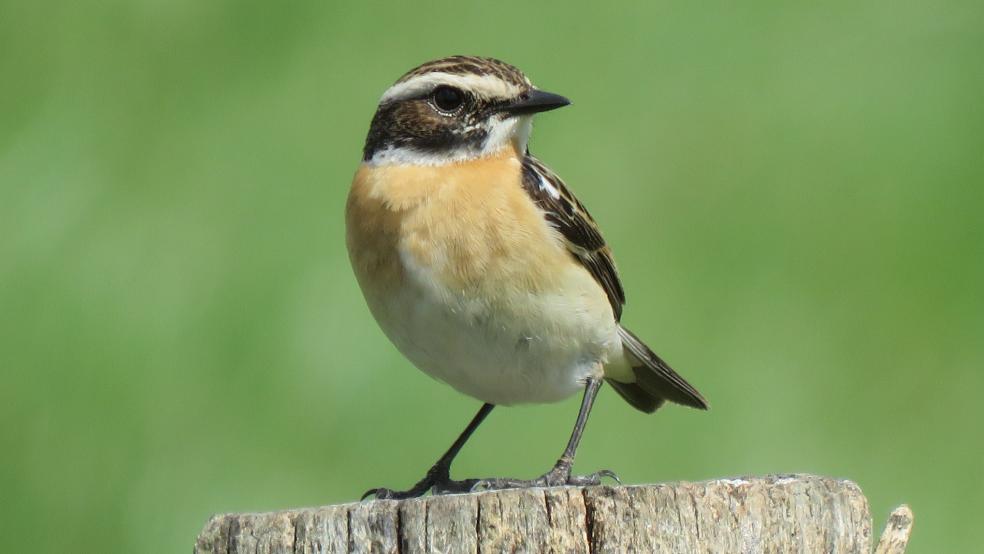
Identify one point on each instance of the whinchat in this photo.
(482, 267)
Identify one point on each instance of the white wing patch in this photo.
(547, 186)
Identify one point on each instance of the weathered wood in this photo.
(786, 513)
(895, 537)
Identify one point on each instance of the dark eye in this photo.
(448, 99)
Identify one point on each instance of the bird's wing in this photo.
(655, 381)
(581, 234)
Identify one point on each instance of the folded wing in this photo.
(655, 382)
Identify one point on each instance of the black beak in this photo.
(535, 101)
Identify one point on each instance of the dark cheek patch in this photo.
(415, 124)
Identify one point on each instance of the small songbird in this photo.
(482, 267)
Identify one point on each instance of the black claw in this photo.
(610, 474)
(388, 494)
(380, 494)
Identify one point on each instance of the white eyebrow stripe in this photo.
(486, 86)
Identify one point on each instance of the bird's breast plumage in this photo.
(470, 281)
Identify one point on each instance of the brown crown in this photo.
(470, 65)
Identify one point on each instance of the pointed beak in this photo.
(535, 101)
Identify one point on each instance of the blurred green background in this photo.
(793, 193)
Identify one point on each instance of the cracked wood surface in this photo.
(784, 513)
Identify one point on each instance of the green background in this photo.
(793, 193)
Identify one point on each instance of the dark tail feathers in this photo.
(656, 381)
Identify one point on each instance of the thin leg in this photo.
(561, 472)
(439, 475)
(590, 393)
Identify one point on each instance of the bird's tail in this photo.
(655, 381)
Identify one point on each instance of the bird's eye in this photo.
(447, 99)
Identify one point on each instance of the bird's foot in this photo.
(437, 481)
(559, 476)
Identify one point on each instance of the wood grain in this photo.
(780, 513)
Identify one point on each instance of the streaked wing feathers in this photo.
(568, 215)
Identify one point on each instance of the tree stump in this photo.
(782, 513)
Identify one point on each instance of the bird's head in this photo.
(455, 109)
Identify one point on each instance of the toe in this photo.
(454, 487)
(608, 473)
(388, 494)
(379, 494)
(592, 479)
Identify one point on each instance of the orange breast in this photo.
(471, 225)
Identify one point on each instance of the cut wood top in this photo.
(778, 513)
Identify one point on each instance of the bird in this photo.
(481, 266)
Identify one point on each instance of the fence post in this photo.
(781, 513)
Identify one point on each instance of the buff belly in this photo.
(531, 348)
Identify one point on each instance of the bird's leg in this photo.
(561, 473)
(438, 476)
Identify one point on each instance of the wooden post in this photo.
(782, 513)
